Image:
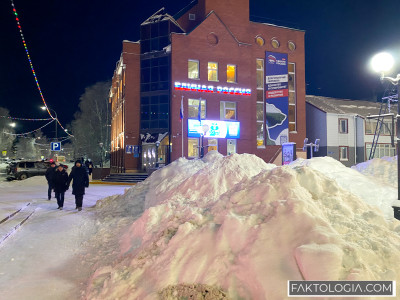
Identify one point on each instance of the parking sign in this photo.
(55, 146)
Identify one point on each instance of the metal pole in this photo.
(398, 141)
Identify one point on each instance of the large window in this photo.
(212, 71)
(212, 144)
(231, 73)
(380, 151)
(193, 109)
(292, 96)
(343, 153)
(193, 147)
(193, 69)
(370, 126)
(230, 146)
(343, 126)
(227, 110)
(260, 103)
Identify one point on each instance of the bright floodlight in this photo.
(382, 62)
(13, 124)
(43, 107)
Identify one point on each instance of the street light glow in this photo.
(382, 62)
(43, 107)
(13, 124)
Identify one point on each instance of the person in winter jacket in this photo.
(60, 185)
(50, 176)
(80, 179)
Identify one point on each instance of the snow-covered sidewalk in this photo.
(42, 259)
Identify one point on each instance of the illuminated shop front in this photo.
(211, 79)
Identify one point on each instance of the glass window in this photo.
(344, 153)
(260, 114)
(193, 69)
(343, 126)
(231, 73)
(193, 147)
(260, 74)
(212, 144)
(260, 134)
(230, 146)
(227, 110)
(193, 108)
(260, 41)
(212, 71)
(292, 96)
(275, 43)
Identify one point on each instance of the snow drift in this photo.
(237, 228)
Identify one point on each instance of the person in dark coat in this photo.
(80, 179)
(50, 176)
(60, 185)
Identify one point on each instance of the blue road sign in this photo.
(55, 146)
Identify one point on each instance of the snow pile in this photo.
(367, 188)
(239, 227)
(383, 170)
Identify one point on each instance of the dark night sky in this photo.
(74, 44)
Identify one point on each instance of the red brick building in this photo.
(241, 85)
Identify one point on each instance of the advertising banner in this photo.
(276, 97)
(215, 129)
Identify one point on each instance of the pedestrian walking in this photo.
(50, 177)
(80, 179)
(60, 185)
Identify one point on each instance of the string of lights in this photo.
(31, 65)
(26, 133)
(24, 119)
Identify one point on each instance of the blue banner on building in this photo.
(215, 129)
(276, 97)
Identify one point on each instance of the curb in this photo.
(112, 183)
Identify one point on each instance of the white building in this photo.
(344, 130)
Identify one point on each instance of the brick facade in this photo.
(216, 31)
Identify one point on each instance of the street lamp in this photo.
(381, 63)
(44, 108)
(13, 124)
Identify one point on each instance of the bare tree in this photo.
(90, 130)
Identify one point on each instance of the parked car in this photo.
(23, 169)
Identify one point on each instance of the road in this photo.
(40, 259)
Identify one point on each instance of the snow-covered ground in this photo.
(230, 227)
(42, 259)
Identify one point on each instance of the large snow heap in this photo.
(238, 228)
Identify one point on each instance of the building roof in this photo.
(346, 106)
(161, 15)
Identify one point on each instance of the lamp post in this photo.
(383, 62)
(101, 155)
(44, 108)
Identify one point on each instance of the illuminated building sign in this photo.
(216, 129)
(184, 86)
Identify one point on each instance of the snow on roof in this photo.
(243, 227)
(346, 106)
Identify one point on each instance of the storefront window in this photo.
(193, 69)
(212, 144)
(230, 146)
(231, 73)
(193, 108)
(212, 71)
(227, 110)
(193, 147)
